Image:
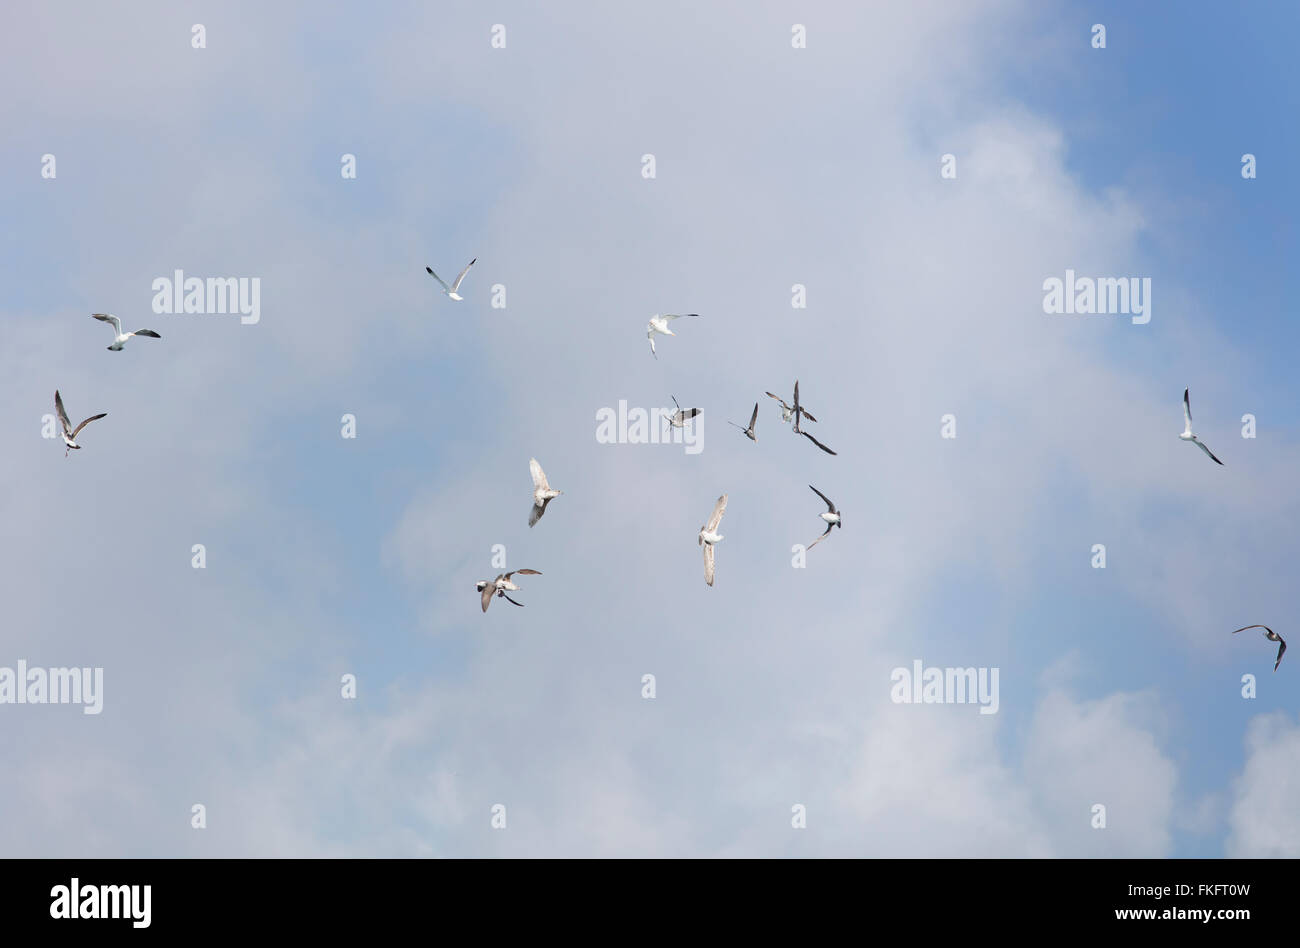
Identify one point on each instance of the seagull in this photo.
(119, 337)
(450, 291)
(792, 411)
(70, 433)
(499, 586)
(1187, 430)
(709, 535)
(1271, 636)
(659, 324)
(749, 432)
(831, 516)
(542, 493)
(683, 415)
(795, 411)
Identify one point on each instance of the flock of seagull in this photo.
(543, 493)
(708, 536)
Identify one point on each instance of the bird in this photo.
(709, 535)
(499, 586)
(70, 433)
(542, 492)
(792, 411)
(119, 337)
(1187, 430)
(659, 324)
(450, 291)
(1271, 636)
(796, 410)
(749, 432)
(831, 516)
(682, 416)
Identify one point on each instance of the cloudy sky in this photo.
(774, 166)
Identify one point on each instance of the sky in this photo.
(781, 157)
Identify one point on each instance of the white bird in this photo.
(1187, 430)
(542, 492)
(832, 517)
(450, 291)
(70, 433)
(709, 535)
(1271, 636)
(499, 586)
(749, 432)
(659, 324)
(119, 337)
(682, 416)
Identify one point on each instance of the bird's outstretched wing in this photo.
(715, 518)
(816, 442)
(830, 508)
(708, 563)
(110, 318)
(146, 332)
(63, 415)
(86, 422)
(1187, 410)
(460, 276)
(539, 476)
(1201, 444)
(537, 512)
(489, 589)
(829, 528)
(1245, 627)
(754, 417)
(445, 287)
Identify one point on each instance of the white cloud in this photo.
(1263, 821)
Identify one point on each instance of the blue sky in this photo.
(775, 166)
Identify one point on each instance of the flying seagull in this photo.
(119, 337)
(749, 432)
(1271, 636)
(709, 535)
(796, 411)
(1187, 430)
(682, 416)
(70, 433)
(499, 586)
(792, 411)
(659, 324)
(450, 291)
(542, 493)
(831, 516)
